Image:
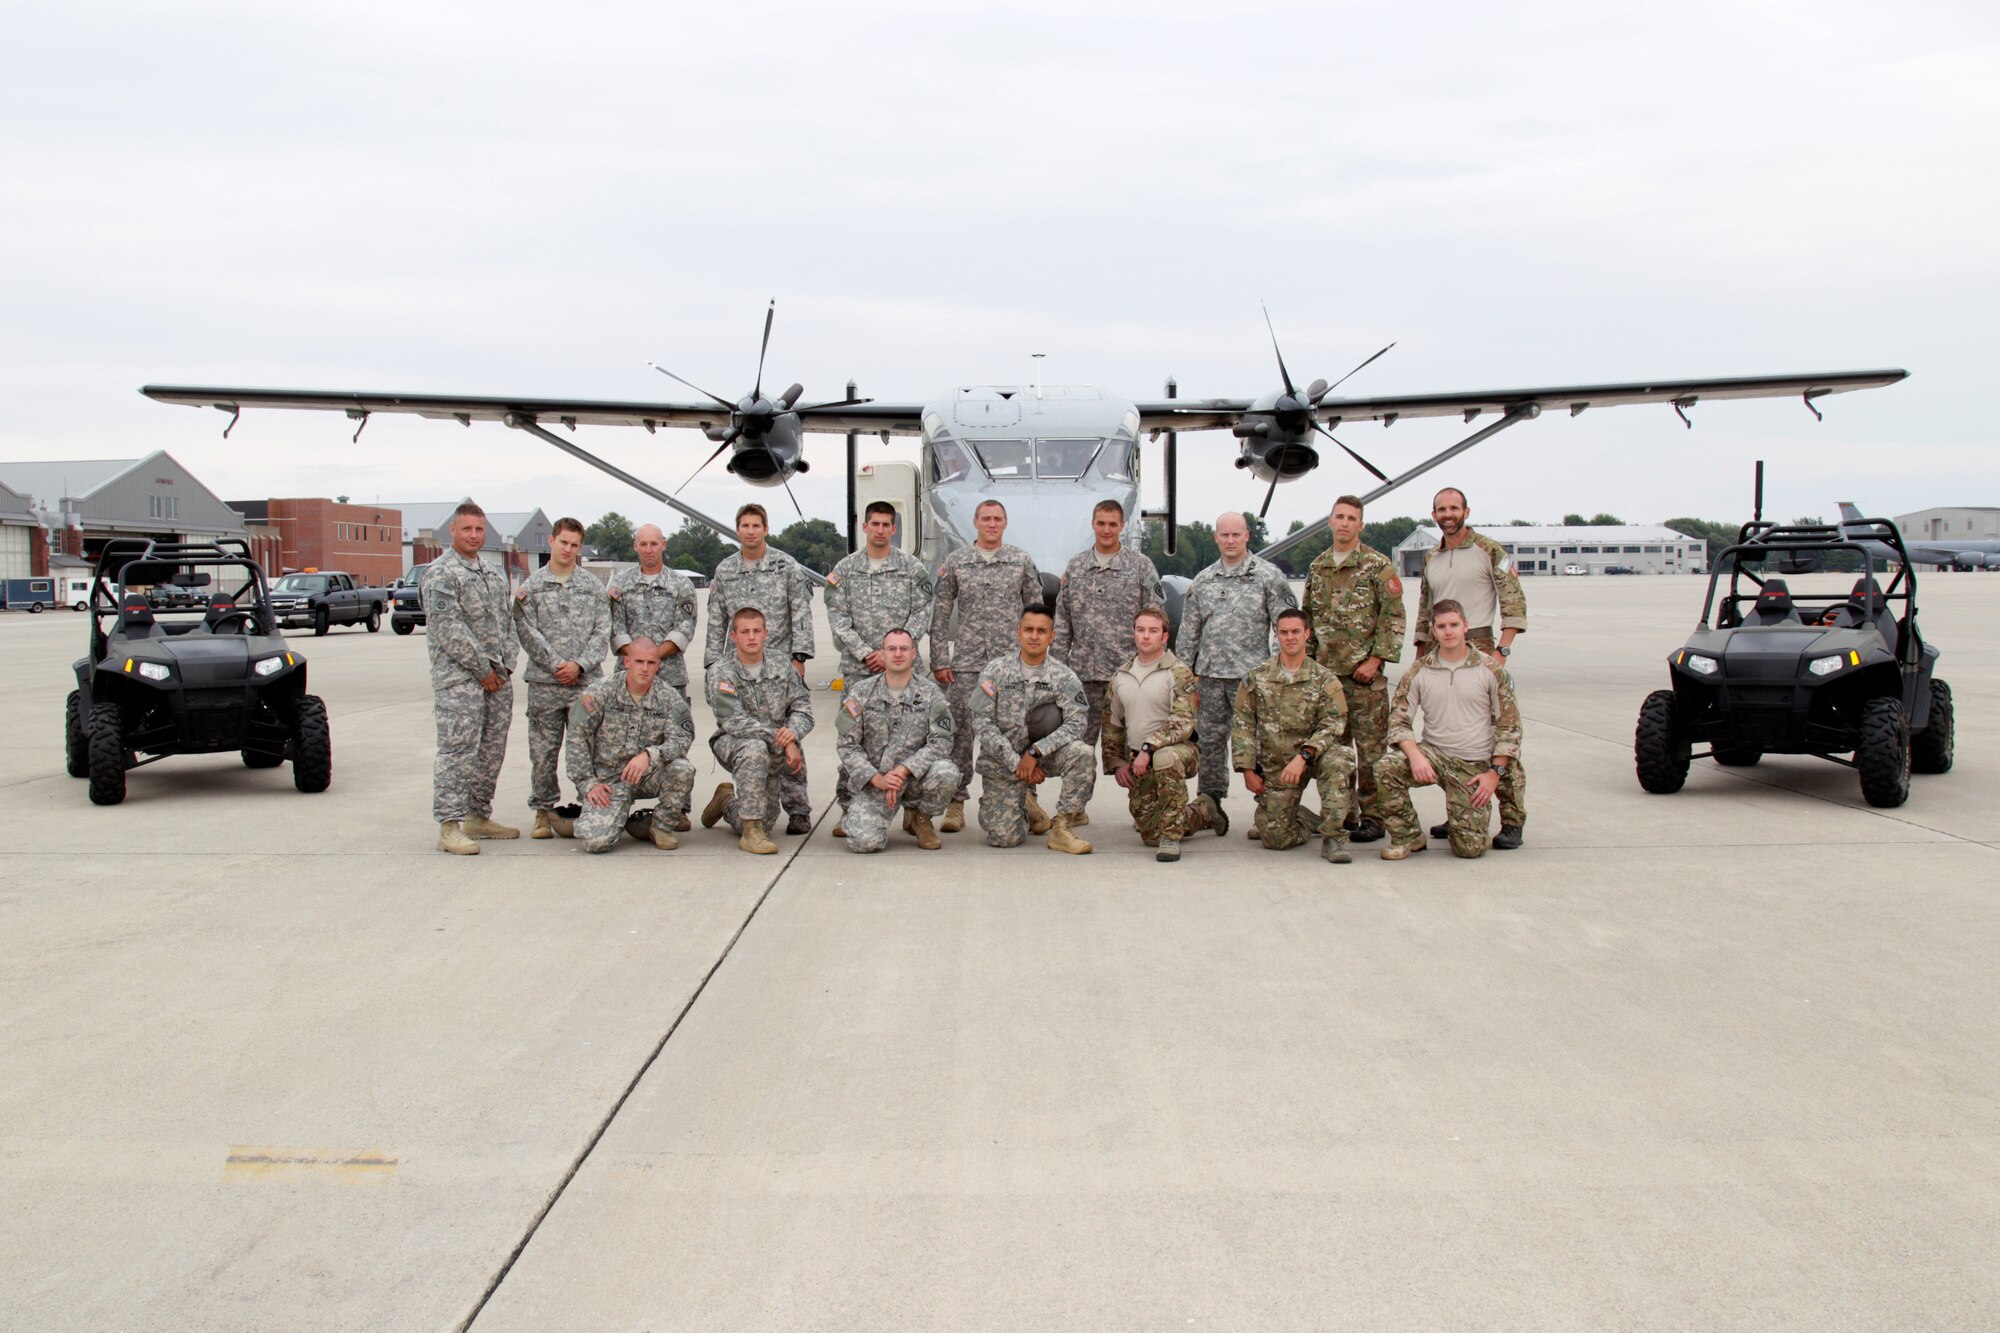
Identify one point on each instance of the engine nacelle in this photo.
(1277, 432)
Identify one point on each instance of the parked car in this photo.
(406, 610)
(325, 598)
(1576, 569)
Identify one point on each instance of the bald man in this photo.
(655, 602)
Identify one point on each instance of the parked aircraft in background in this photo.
(1967, 554)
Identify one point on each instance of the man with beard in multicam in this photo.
(1102, 589)
(629, 738)
(1149, 740)
(564, 623)
(472, 647)
(876, 589)
(1354, 604)
(981, 591)
(895, 747)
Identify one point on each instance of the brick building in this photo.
(363, 540)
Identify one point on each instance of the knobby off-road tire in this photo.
(312, 745)
(76, 741)
(1736, 756)
(1660, 748)
(1931, 749)
(374, 620)
(1883, 757)
(322, 622)
(107, 754)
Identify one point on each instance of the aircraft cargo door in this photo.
(896, 483)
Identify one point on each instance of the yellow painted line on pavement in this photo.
(348, 1166)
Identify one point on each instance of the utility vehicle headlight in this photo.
(1702, 666)
(270, 666)
(155, 670)
(1826, 666)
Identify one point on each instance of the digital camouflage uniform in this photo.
(863, 603)
(1354, 609)
(880, 731)
(471, 635)
(777, 586)
(1466, 824)
(1225, 633)
(1007, 690)
(1159, 800)
(750, 704)
(976, 618)
(567, 621)
(1275, 719)
(1094, 611)
(660, 607)
(608, 726)
(1512, 607)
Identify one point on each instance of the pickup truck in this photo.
(407, 600)
(325, 598)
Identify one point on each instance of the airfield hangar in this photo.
(79, 504)
(1642, 548)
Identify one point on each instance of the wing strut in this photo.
(1525, 412)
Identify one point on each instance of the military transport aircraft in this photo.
(1968, 554)
(1050, 453)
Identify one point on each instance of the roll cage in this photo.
(129, 563)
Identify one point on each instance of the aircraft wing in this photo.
(902, 418)
(1218, 413)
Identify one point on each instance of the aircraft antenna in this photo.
(1038, 373)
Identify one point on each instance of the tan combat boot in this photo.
(544, 826)
(1397, 851)
(840, 826)
(639, 827)
(711, 814)
(682, 823)
(1038, 819)
(1079, 819)
(753, 839)
(479, 826)
(562, 824)
(1062, 840)
(954, 818)
(1170, 850)
(451, 838)
(664, 839)
(920, 824)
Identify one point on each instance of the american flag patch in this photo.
(613, 593)
(589, 704)
(725, 687)
(832, 579)
(853, 707)
(987, 685)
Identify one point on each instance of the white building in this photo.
(1642, 548)
(1961, 523)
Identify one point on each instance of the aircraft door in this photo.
(897, 484)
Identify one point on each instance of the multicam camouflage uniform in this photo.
(1455, 772)
(1276, 720)
(566, 620)
(1008, 690)
(1225, 633)
(1489, 562)
(659, 607)
(976, 618)
(1159, 800)
(1094, 611)
(886, 728)
(750, 704)
(777, 586)
(608, 726)
(471, 636)
(867, 598)
(1354, 607)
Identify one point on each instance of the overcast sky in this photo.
(538, 199)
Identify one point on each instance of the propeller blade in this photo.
(1283, 374)
(721, 402)
(793, 498)
(727, 440)
(1380, 475)
(1345, 378)
(1275, 475)
(770, 313)
(790, 396)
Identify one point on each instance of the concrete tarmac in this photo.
(1723, 1059)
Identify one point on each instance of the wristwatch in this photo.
(1503, 650)
(1147, 748)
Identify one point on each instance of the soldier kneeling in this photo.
(761, 711)
(629, 740)
(1029, 713)
(895, 750)
(1290, 714)
(1149, 740)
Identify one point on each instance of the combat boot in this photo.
(1399, 851)
(1170, 850)
(451, 838)
(480, 826)
(1215, 816)
(562, 819)
(910, 819)
(544, 826)
(682, 823)
(1441, 831)
(711, 814)
(1062, 840)
(920, 824)
(664, 839)
(1038, 819)
(954, 818)
(1368, 830)
(840, 827)
(639, 824)
(1079, 819)
(797, 824)
(1508, 838)
(753, 839)
(1333, 850)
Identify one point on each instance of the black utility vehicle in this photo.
(1842, 672)
(217, 677)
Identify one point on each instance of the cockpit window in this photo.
(1006, 460)
(1065, 458)
(948, 461)
(1115, 463)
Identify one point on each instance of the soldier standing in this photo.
(1030, 713)
(630, 739)
(1475, 571)
(657, 601)
(895, 751)
(981, 591)
(1149, 740)
(761, 576)
(1354, 603)
(1225, 633)
(1472, 736)
(761, 712)
(869, 593)
(472, 650)
(1102, 589)
(1289, 716)
(564, 624)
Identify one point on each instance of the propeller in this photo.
(1309, 402)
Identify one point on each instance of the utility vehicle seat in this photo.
(1774, 606)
